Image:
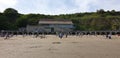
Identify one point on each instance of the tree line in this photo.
(10, 19)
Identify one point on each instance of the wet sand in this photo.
(53, 47)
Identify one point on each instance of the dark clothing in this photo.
(61, 35)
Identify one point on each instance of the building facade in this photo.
(50, 25)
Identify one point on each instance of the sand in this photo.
(53, 47)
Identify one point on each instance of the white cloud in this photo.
(48, 7)
(62, 7)
(7, 3)
(59, 6)
(109, 4)
(55, 6)
(93, 5)
(84, 5)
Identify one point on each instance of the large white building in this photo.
(51, 25)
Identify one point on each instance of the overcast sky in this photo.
(55, 7)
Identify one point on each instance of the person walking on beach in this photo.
(66, 35)
(61, 35)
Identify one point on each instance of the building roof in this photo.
(55, 21)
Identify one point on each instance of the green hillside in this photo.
(11, 19)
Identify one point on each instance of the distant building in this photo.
(51, 25)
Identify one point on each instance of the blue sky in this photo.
(55, 7)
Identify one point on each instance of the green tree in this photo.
(22, 21)
(11, 14)
(9, 19)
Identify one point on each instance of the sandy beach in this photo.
(53, 47)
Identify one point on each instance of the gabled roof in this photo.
(55, 21)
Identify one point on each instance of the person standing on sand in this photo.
(61, 35)
(7, 36)
(109, 36)
(57, 33)
(66, 35)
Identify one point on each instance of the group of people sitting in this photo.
(109, 36)
(62, 34)
(6, 35)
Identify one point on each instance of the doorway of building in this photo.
(52, 29)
